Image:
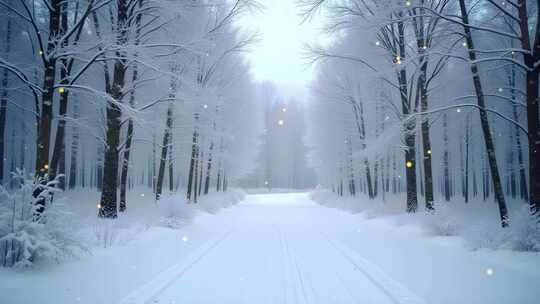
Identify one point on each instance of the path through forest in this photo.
(284, 248)
(281, 248)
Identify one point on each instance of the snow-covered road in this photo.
(283, 248)
(273, 250)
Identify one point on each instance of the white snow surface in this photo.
(282, 248)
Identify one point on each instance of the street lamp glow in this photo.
(284, 110)
(281, 122)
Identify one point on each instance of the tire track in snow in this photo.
(292, 260)
(395, 291)
(284, 270)
(150, 290)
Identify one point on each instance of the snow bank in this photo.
(476, 223)
(73, 229)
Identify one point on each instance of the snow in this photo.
(283, 248)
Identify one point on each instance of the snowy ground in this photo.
(283, 248)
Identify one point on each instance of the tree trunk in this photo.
(192, 169)
(488, 140)
(46, 115)
(225, 181)
(358, 111)
(3, 101)
(196, 175)
(446, 160)
(422, 36)
(164, 150)
(200, 173)
(218, 178)
(467, 148)
(171, 163)
(125, 166)
(114, 113)
(426, 141)
(73, 171)
(208, 169)
(129, 135)
(524, 192)
(533, 120)
(410, 124)
(59, 150)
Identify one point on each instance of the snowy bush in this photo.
(213, 202)
(24, 240)
(442, 221)
(174, 213)
(523, 233)
(477, 222)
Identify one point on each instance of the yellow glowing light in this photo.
(98, 206)
(409, 164)
(408, 3)
(429, 152)
(46, 167)
(62, 90)
(41, 52)
(465, 44)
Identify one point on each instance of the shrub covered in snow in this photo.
(25, 240)
(477, 222)
(524, 232)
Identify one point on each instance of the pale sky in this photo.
(278, 56)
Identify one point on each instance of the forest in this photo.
(441, 103)
(108, 95)
(270, 151)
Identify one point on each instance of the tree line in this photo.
(437, 99)
(113, 94)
